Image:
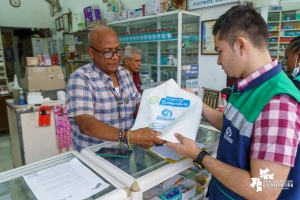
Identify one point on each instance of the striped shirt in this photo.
(90, 91)
(276, 131)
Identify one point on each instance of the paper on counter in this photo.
(71, 180)
(169, 109)
(166, 152)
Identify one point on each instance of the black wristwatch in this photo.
(198, 161)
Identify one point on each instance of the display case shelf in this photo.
(181, 28)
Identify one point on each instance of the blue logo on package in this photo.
(167, 113)
(175, 102)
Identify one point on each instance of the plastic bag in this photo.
(169, 109)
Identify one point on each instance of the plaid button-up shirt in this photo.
(276, 132)
(90, 91)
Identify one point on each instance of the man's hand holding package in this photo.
(186, 147)
(145, 137)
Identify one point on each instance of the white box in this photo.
(138, 12)
(190, 193)
(153, 7)
(130, 14)
(123, 14)
(112, 16)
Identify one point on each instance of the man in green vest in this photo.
(257, 156)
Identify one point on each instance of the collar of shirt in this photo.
(244, 82)
(104, 76)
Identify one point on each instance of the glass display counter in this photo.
(144, 169)
(13, 183)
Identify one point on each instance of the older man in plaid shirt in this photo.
(101, 97)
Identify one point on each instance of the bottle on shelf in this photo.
(149, 36)
(163, 34)
(153, 35)
(16, 90)
(158, 34)
(223, 103)
(169, 34)
(171, 59)
(21, 98)
(145, 36)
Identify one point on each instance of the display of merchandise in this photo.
(283, 26)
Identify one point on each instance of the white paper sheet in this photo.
(169, 109)
(166, 152)
(71, 181)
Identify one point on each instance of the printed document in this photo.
(70, 181)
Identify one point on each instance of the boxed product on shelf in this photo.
(123, 14)
(112, 16)
(288, 27)
(292, 33)
(130, 14)
(138, 12)
(153, 7)
(189, 189)
(285, 39)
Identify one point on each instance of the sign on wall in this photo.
(198, 4)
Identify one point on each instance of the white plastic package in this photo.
(169, 109)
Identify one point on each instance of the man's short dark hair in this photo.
(242, 20)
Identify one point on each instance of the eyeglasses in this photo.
(110, 54)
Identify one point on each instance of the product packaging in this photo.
(169, 109)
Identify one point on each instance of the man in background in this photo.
(132, 61)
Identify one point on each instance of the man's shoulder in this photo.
(123, 72)
(84, 70)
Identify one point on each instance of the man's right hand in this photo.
(145, 137)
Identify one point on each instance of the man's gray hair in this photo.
(129, 52)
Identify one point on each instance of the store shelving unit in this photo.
(3, 76)
(76, 45)
(282, 28)
(182, 41)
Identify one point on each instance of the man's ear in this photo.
(126, 61)
(91, 53)
(242, 45)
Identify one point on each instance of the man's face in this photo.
(109, 43)
(291, 59)
(134, 63)
(228, 58)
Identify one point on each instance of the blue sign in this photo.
(193, 71)
(198, 4)
(175, 102)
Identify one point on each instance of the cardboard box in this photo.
(94, 23)
(31, 61)
(43, 78)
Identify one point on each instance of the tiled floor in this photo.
(5, 152)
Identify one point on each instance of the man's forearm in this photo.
(235, 179)
(92, 127)
(214, 117)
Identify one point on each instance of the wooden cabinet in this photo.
(3, 117)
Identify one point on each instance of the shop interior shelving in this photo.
(176, 32)
(283, 27)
